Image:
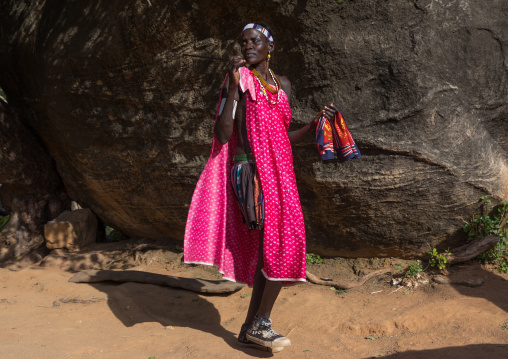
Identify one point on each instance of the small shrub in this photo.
(495, 224)
(439, 260)
(414, 268)
(314, 258)
(338, 291)
(3, 221)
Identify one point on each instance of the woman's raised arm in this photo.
(224, 125)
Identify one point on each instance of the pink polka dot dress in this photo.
(215, 233)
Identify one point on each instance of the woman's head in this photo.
(257, 43)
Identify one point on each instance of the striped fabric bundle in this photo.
(335, 138)
(245, 180)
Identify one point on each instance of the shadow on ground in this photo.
(134, 303)
(494, 289)
(477, 351)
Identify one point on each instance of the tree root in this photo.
(315, 280)
(193, 284)
(472, 249)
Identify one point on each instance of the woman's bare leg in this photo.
(258, 287)
(258, 325)
(270, 294)
(264, 292)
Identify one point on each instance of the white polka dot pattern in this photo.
(215, 233)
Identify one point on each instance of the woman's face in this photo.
(255, 46)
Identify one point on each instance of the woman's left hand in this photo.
(328, 111)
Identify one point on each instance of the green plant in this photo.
(439, 260)
(491, 224)
(3, 221)
(2, 95)
(112, 234)
(414, 268)
(338, 291)
(314, 258)
(503, 266)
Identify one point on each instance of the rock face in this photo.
(72, 230)
(128, 118)
(31, 188)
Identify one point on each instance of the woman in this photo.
(252, 145)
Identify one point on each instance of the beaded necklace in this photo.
(265, 86)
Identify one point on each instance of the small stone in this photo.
(75, 206)
(71, 229)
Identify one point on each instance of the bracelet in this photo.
(223, 103)
(234, 107)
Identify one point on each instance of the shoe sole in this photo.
(268, 344)
(263, 348)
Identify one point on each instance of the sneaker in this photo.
(242, 339)
(261, 332)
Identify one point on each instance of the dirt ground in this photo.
(42, 315)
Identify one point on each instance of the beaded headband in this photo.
(260, 28)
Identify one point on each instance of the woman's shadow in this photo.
(134, 303)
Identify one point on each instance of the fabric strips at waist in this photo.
(244, 157)
(248, 192)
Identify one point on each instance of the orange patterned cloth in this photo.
(336, 137)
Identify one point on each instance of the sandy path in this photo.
(134, 320)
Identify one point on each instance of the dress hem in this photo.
(283, 279)
(250, 286)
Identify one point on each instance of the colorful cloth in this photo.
(336, 137)
(261, 29)
(215, 233)
(248, 192)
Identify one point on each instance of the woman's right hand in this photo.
(234, 75)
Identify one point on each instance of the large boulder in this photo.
(128, 117)
(31, 190)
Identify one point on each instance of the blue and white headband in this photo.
(261, 29)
